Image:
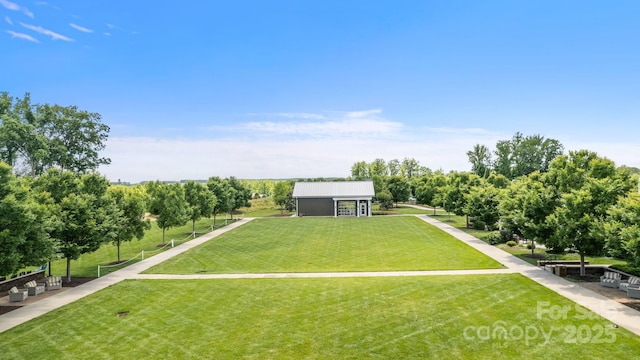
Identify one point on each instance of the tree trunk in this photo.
(162, 236)
(68, 269)
(533, 247)
(434, 210)
(193, 226)
(118, 251)
(214, 221)
(582, 272)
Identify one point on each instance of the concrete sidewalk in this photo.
(31, 311)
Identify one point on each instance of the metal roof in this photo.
(343, 189)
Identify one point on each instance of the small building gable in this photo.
(339, 198)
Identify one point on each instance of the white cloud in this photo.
(327, 128)
(107, 34)
(9, 5)
(27, 12)
(80, 28)
(8, 20)
(21, 36)
(41, 30)
(365, 123)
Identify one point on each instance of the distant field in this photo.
(329, 244)
(433, 317)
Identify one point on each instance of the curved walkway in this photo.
(609, 309)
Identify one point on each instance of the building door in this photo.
(363, 209)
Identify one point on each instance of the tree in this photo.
(200, 200)
(394, 167)
(86, 217)
(622, 229)
(410, 168)
(399, 188)
(481, 204)
(459, 184)
(241, 195)
(131, 201)
(173, 209)
(223, 193)
(385, 199)
(282, 192)
(480, 159)
(523, 155)
(525, 206)
(429, 189)
(590, 185)
(34, 138)
(378, 168)
(24, 225)
(360, 171)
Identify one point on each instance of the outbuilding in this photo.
(334, 198)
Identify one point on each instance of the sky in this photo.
(300, 89)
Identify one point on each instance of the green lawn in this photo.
(329, 244)
(439, 317)
(87, 264)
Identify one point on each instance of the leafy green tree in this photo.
(524, 209)
(622, 228)
(430, 188)
(360, 171)
(241, 195)
(24, 225)
(385, 199)
(223, 193)
(173, 209)
(282, 192)
(590, 185)
(131, 201)
(480, 159)
(459, 184)
(399, 188)
(86, 216)
(201, 201)
(394, 167)
(410, 168)
(378, 168)
(34, 138)
(481, 204)
(523, 155)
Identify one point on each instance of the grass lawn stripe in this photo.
(329, 245)
(408, 318)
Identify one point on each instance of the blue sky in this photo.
(276, 89)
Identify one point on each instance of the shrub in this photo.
(505, 235)
(531, 246)
(627, 268)
(492, 238)
(511, 243)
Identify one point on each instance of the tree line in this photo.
(529, 188)
(53, 203)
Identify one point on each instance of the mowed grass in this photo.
(430, 317)
(328, 245)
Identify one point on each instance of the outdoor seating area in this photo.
(614, 280)
(16, 295)
(33, 288)
(610, 279)
(53, 283)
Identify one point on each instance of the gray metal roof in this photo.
(342, 189)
